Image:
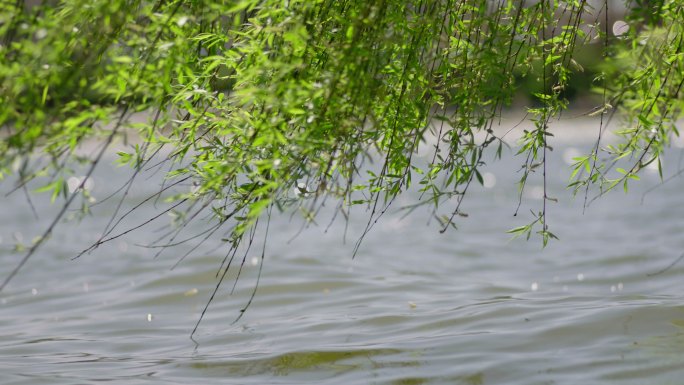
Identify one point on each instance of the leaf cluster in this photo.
(264, 104)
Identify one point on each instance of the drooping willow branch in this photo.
(264, 104)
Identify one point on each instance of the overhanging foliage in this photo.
(278, 104)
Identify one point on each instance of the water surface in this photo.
(414, 307)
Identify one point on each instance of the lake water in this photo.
(414, 307)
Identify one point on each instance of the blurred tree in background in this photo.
(276, 104)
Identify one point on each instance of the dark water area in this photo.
(470, 306)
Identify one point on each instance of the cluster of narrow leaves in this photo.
(644, 79)
(272, 104)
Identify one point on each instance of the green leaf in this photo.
(350, 33)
